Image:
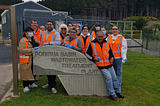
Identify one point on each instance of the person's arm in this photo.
(79, 48)
(124, 49)
(37, 41)
(24, 50)
(88, 52)
(57, 40)
(110, 53)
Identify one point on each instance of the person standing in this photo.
(27, 44)
(85, 38)
(105, 35)
(97, 28)
(63, 30)
(100, 52)
(72, 41)
(119, 47)
(42, 28)
(51, 37)
(78, 31)
(37, 33)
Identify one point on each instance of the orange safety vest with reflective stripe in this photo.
(38, 34)
(116, 46)
(49, 39)
(93, 34)
(84, 46)
(24, 58)
(74, 42)
(102, 53)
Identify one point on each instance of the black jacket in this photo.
(89, 52)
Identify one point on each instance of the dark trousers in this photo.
(27, 83)
(51, 81)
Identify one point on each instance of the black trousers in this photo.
(27, 83)
(51, 81)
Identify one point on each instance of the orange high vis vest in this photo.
(38, 34)
(93, 34)
(74, 42)
(84, 46)
(50, 38)
(102, 53)
(116, 46)
(24, 58)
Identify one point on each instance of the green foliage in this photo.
(140, 21)
(140, 87)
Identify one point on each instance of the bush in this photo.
(140, 21)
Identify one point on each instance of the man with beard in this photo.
(50, 37)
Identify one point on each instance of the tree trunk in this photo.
(156, 12)
(109, 14)
(147, 8)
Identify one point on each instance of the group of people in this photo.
(108, 52)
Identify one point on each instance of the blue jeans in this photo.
(117, 64)
(111, 80)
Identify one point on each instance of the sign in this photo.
(76, 72)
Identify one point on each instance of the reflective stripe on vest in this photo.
(116, 53)
(104, 61)
(75, 41)
(44, 34)
(23, 58)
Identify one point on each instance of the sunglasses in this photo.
(114, 29)
(63, 28)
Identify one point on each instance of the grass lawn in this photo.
(141, 87)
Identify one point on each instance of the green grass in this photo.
(141, 87)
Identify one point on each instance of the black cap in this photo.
(97, 24)
(28, 29)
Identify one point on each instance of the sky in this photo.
(30, 0)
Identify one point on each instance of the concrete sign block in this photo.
(77, 73)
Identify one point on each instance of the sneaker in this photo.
(45, 86)
(54, 90)
(26, 89)
(33, 85)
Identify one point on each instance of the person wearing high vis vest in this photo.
(27, 44)
(85, 37)
(37, 33)
(72, 41)
(51, 37)
(119, 47)
(97, 28)
(105, 34)
(101, 54)
(63, 31)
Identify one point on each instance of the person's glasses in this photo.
(63, 28)
(114, 29)
(49, 24)
(85, 28)
(72, 32)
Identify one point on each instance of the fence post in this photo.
(14, 51)
(147, 41)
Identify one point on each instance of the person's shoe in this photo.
(26, 89)
(33, 85)
(113, 97)
(45, 86)
(54, 90)
(119, 95)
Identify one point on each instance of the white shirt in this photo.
(123, 48)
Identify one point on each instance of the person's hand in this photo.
(46, 44)
(111, 60)
(125, 60)
(67, 45)
(96, 59)
(36, 48)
